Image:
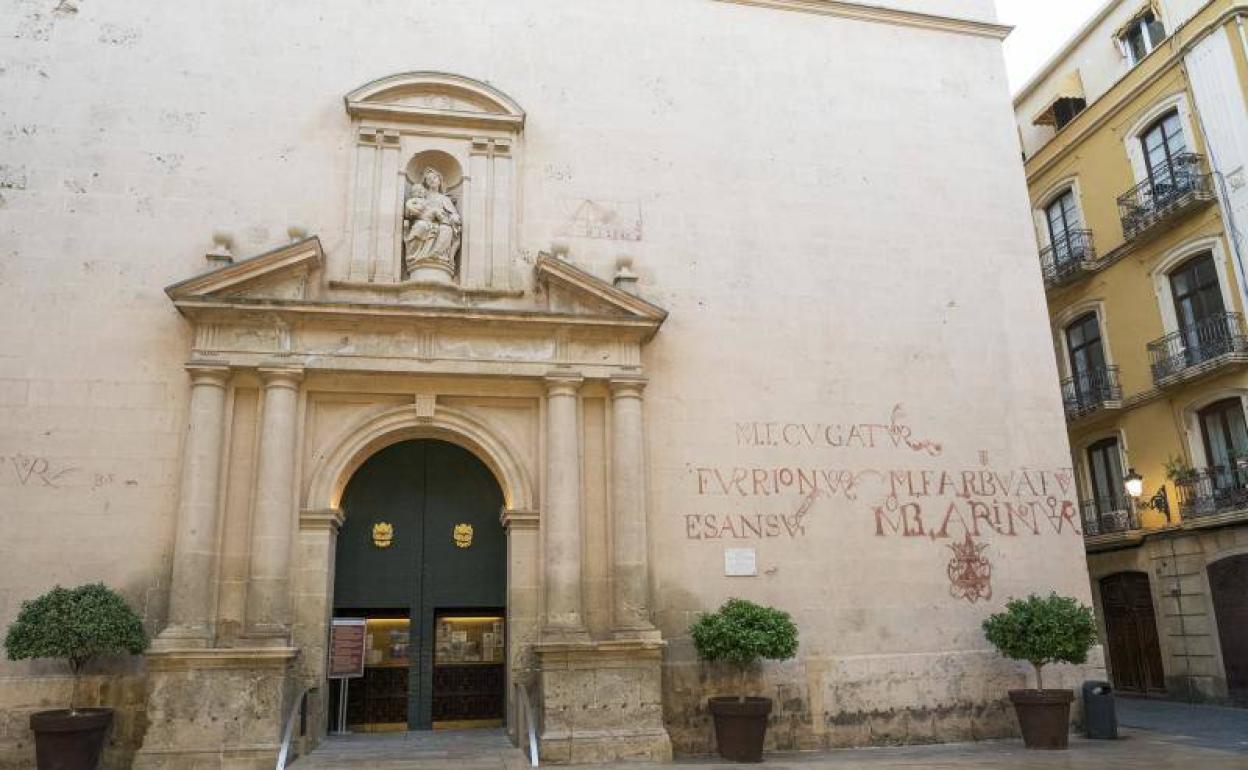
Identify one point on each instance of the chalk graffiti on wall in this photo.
(962, 510)
(33, 470)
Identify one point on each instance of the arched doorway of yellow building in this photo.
(1228, 583)
(422, 558)
(1131, 628)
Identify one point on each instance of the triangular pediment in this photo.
(278, 274)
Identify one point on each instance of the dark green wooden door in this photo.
(423, 489)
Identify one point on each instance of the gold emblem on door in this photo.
(463, 535)
(383, 534)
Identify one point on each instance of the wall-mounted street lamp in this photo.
(1134, 483)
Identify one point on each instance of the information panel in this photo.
(346, 648)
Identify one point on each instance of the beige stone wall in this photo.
(832, 210)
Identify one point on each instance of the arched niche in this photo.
(470, 132)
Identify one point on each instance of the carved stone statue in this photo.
(434, 227)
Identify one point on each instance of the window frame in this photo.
(1138, 24)
(1220, 408)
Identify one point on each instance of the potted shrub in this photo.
(740, 634)
(75, 625)
(1056, 629)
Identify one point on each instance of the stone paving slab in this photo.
(1216, 727)
(489, 750)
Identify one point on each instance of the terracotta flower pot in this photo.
(70, 741)
(740, 727)
(1043, 716)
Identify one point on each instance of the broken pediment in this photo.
(282, 273)
(437, 98)
(285, 286)
(574, 291)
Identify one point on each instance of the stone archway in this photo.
(362, 440)
(313, 577)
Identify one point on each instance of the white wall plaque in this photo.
(740, 562)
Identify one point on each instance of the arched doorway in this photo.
(1131, 625)
(1228, 582)
(422, 557)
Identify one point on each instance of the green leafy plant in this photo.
(741, 633)
(75, 625)
(1056, 629)
(1177, 469)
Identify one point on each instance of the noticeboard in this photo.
(346, 648)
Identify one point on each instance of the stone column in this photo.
(630, 563)
(273, 512)
(561, 514)
(192, 590)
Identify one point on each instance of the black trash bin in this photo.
(1100, 720)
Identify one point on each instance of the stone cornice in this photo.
(217, 657)
(223, 310)
(884, 15)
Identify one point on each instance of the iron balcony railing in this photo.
(1197, 344)
(1207, 491)
(1089, 391)
(1170, 188)
(1106, 515)
(1063, 261)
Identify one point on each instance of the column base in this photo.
(183, 638)
(602, 702)
(216, 708)
(265, 638)
(556, 635)
(638, 634)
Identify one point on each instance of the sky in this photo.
(1041, 27)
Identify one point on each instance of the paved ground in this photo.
(1185, 723)
(1154, 734)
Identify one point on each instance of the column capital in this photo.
(513, 519)
(630, 386)
(563, 384)
(328, 519)
(281, 376)
(208, 374)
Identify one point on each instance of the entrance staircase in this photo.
(430, 750)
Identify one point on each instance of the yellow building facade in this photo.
(1135, 139)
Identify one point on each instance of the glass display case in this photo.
(377, 702)
(468, 669)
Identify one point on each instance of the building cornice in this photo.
(884, 15)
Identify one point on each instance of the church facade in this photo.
(522, 334)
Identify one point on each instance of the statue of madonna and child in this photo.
(434, 227)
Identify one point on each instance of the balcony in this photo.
(1067, 259)
(1172, 189)
(1210, 492)
(1108, 516)
(1198, 349)
(1090, 392)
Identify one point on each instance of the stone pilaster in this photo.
(312, 590)
(630, 561)
(561, 514)
(273, 512)
(192, 588)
